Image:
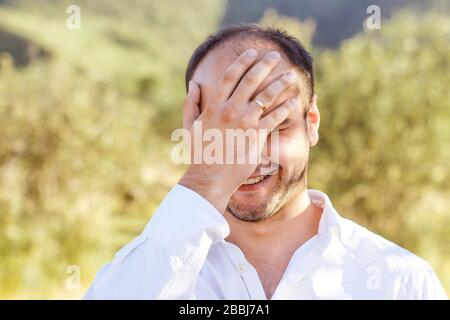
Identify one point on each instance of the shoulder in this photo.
(413, 276)
(370, 246)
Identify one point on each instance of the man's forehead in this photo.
(212, 67)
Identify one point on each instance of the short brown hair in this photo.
(289, 45)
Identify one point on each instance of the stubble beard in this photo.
(282, 193)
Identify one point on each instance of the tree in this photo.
(383, 154)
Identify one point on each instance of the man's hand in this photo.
(231, 108)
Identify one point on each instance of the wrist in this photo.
(209, 186)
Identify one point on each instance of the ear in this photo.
(191, 110)
(313, 121)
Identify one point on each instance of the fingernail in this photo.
(190, 86)
(251, 53)
(274, 55)
(291, 75)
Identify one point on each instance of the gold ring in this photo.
(260, 104)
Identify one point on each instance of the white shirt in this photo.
(182, 254)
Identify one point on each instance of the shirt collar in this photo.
(330, 233)
(330, 219)
(327, 244)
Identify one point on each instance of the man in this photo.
(239, 231)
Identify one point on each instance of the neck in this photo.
(287, 229)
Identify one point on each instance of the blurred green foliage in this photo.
(385, 133)
(85, 132)
(84, 143)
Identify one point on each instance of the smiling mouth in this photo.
(255, 180)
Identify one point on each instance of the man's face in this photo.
(259, 201)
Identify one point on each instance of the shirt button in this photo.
(241, 268)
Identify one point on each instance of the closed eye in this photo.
(284, 125)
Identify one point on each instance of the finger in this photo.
(255, 76)
(191, 109)
(278, 115)
(233, 74)
(292, 92)
(273, 92)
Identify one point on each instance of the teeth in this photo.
(254, 180)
